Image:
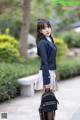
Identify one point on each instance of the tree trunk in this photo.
(1, 7)
(24, 29)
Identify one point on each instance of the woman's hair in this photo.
(41, 25)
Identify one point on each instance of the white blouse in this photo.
(49, 39)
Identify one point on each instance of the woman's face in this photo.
(46, 31)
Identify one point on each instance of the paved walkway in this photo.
(27, 108)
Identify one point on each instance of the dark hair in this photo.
(41, 25)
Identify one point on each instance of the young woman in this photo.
(46, 49)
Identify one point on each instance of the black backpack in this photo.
(49, 103)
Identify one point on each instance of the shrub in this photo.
(9, 48)
(9, 74)
(72, 39)
(8, 89)
(12, 24)
(8, 83)
(68, 68)
(61, 47)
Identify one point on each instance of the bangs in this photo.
(42, 24)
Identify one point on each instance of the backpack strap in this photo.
(47, 90)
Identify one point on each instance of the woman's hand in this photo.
(47, 86)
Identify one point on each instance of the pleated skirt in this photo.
(53, 81)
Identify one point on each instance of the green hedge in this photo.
(9, 88)
(10, 72)
(71, 38)
(68, 68)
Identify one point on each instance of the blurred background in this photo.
(18, 53)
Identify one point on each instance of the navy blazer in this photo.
(47, 53)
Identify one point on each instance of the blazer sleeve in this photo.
(44, 59)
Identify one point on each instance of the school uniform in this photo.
(47, 74)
